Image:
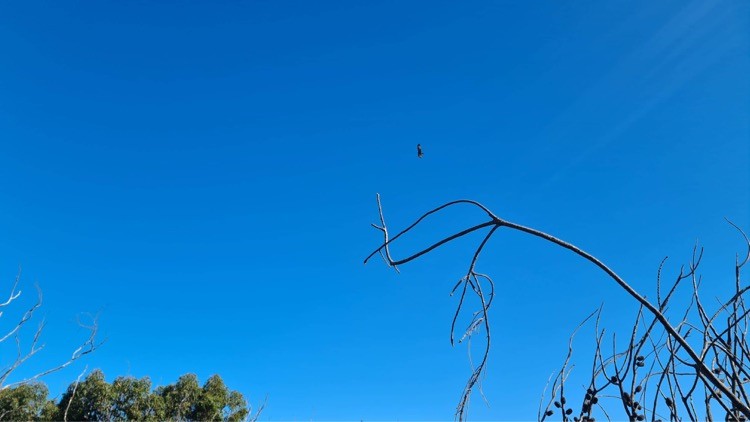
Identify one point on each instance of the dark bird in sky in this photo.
(419, 151)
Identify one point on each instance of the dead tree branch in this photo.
(682, 361)
(87, 346)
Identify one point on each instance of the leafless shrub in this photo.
(668, 369)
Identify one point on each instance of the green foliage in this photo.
(26, 402)
(133, 400)
(217, 403)
(126, 399)
(181, 398)
(92, 400)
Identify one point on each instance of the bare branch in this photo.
(683, 364)
(73, 394)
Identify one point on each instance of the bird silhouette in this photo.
(419, 151)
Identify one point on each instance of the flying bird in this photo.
(419, 151)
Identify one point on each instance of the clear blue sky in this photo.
(203, 173)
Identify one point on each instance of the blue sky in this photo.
(203, 175)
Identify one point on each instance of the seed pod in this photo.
(549, 413)
(668, 401)
(562, 400)
(638, 389)
(569, 411)
(640, 417)
(557, 404)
